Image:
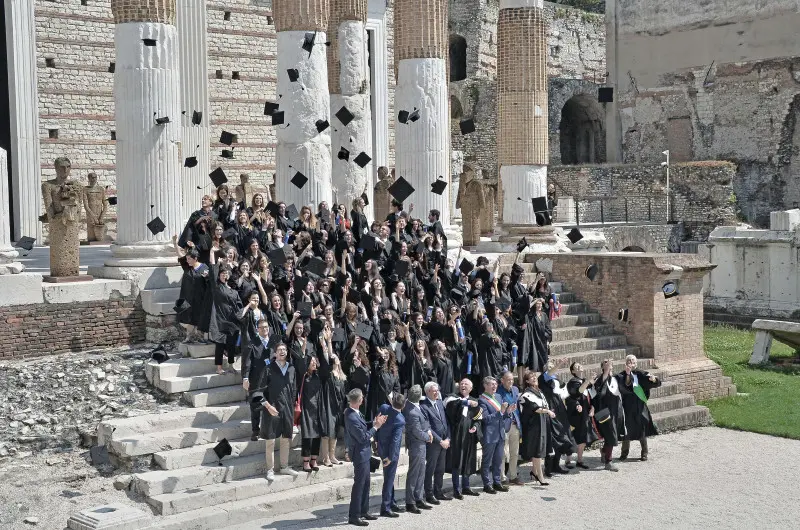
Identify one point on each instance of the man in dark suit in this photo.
(436, 451)
(494, 413)
(389, 440)
(436, 228)
(358, 446)
(418, 435)
(255, 359)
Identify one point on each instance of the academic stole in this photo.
(490, 398)
(638, 390)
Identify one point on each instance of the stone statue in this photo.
(62, 202)
(472, 201)
(382, 201)
(244, 191)
(487, 214)
(94, 202)
(552, 201)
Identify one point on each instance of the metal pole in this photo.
(669, 213)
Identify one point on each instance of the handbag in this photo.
(297, 409)
(602, 415)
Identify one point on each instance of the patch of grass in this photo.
(772, 401)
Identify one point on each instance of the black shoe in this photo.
(443, 497)
(471, 492)
(397, 509)
(489, 490)
(581, 465)
(569, 466)
(548, 474)
(457, 495)
(389, 514)
(430, 499)
(643, 458)
(422, 505)
(412, 508)
(623, 456)
(357, 522)
(560, 470)
(369, 517)
(500, 487)
(254, 437)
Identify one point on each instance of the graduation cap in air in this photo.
(466, 266)
(278, 118)
(112, 68)
(190, 161)
(271, 108)
(276, 257)
(227, 153)
(304, 307)
(300, 283)
(363, 195)
(574, 236)
(401, 268)
(669, 289)
(308, 42)
(273, 209)
(197, 117)
(484, 275)
(218, 177)
(404, 116)
(401, 189)
(504, 304)
(292, 213)
(316, 266)
(623, 315)
(364, 330)
(438, 186)
(162, 120)
(591, 271)
(367, 242)
(344, 115)
(339, 335)
(419, 249)
(522, 245)
(316, 326)
(227, 138)
(353, 296)
(299, 180)
(539, 204)
(223, 449)
(362, 160)
(344, 154)
(294, 74)
(467, 126)
(156, 226)
(112, 201)
(150, 42)
(159, 354)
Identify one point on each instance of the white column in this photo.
(193, 44)
(26, 170)
(303, 102)
(148, 173)
(423, 147)
(379, 88)
(7, 252)
(523, 182)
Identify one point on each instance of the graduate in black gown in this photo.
(464, 419)
(536, 338)
(223, 328)
(579, 407)
(638, 420)
(384, 381)
(560, 432)
(535, 415)
(195, 312)
(492, 359)
(609, 417)
(277, 393)
(313, 413)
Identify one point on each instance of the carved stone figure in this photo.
(244, 191)
(94, 202)
(472, 201)
(552, 200)
(490, 196)
(382, 200)
(62, 202)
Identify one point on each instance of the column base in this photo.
(541, 239)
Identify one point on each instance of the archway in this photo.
(458, 58)
(582, 131)
(633, 248)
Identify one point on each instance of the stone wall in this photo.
(700, 194)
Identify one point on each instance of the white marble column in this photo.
(7, 252)
(193, 44)
(148, 168)
(26, 162)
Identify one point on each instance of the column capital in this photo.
(301, 15)
(162, 11)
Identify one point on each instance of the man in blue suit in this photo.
(389, 440)
(418, 436)
(436, 451)
(358, 444)
(510, 394)
(494, 413)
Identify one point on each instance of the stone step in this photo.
(215, 396)
(666, 403)
(581, 345)
(196, 350)
(166, 421)
(175, 385)
(574, 308)
(592, 357)
(667, 388)
(204, 454)
(181, 367)
(592, 370)
(169, 295)
(581, 332)
(146, 444)
(683, 418)
(580, 319)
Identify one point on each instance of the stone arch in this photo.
(561, 91)
(633, 248)
(456, 109)
(581, 131)
(458, 58)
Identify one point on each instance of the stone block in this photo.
(67, 293)
(20, 289)
(761, 348)
(109, 517)
(785, 220)
(141, 277)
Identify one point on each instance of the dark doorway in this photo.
(633, 248)
(5, 111)
(458, 58)
(582, 131)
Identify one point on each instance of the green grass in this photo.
(772, 401)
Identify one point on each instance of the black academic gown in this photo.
(225, 311)
(280, 391)
(582, 429)
(613, 429)
(462, 455)
(535, 441)
(490, 356)
(418, 373)
(560, 431)
(535, 339)
(313, 413)
(382, 382)
(638, 421)
(443, 368)
(194, 290)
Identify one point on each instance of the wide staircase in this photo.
(190, 488)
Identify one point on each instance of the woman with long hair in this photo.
(257, 211)
(609, 416)
(535, 416)
(313, 415)
(196, 310)
(224, 324)
(244, 281)
(245, 232)
(579, 406)
(443, 367)
(225, 206)
(384, 381)
(301, 349)
(419, 365)
(306, 221)
(563, 443)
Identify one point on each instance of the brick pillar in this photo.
(522, 148)
(304, 102)
(422, 151)
(348, 81)
(146, 86)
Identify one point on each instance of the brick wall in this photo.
(44, 329)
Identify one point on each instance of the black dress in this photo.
(560, 431)
(611, 429)
(462, 455)
(225, 310)
(443, 367)
(535, 442)
(382, 382)
(194, 290)
(638, 421)
(280, 391)
(537, 335)
(313, 413)
(490, 356)
(582, 430)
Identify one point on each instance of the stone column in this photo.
(522, 148)
(8, 265)
(348, 81)
(422, 152)
(146, 86)
(193, 45)
(300, 146)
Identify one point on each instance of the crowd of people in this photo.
(341, 323)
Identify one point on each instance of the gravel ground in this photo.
(701, 478)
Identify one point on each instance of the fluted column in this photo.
(193, 43)
(348, 81)
(146, 86)
(422, 151)
(7, 252)
(522, 148)
(26, 167)
(301, 147)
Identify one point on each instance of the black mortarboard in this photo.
(294, 75)
(223, 449)
(363, 195)
(623, 315)
(112, 68)
(190, 162)
(112, 201)
(299, 180)
(402, 116)
(344, 116)
(300, 283)
(574, 236)
(455, 292)
(344, 154)
(308, 42)
(316, 326)
(401, 267)
(504, 304)
(163, 120)
(197, 117)
(362, 160)
(227, 153)
(401, 189)
(304, 307)
(229, 234)
(543, 218)
(467, 126)
(278, 118)
(669, 289)
(438, 186)
(367, 242)
(150, 42)
(353, 296)
(271, 108)
(156, 226)
(484, 275)
(364, 331)
(366, 298)
(292, 213)
(273, 209)
(227, 138)
(522, 245)
(466, 266)
(539, 204)
(25, 243)
(414, 116)
(420, 248)
(316, 266)
(322, 125)
(276, 257)
(218, 177)
(591, 271)
(339, 335)
(159, 355)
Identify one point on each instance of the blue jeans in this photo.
(492, 460)
(458, 488)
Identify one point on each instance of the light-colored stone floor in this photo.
(38, 259)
